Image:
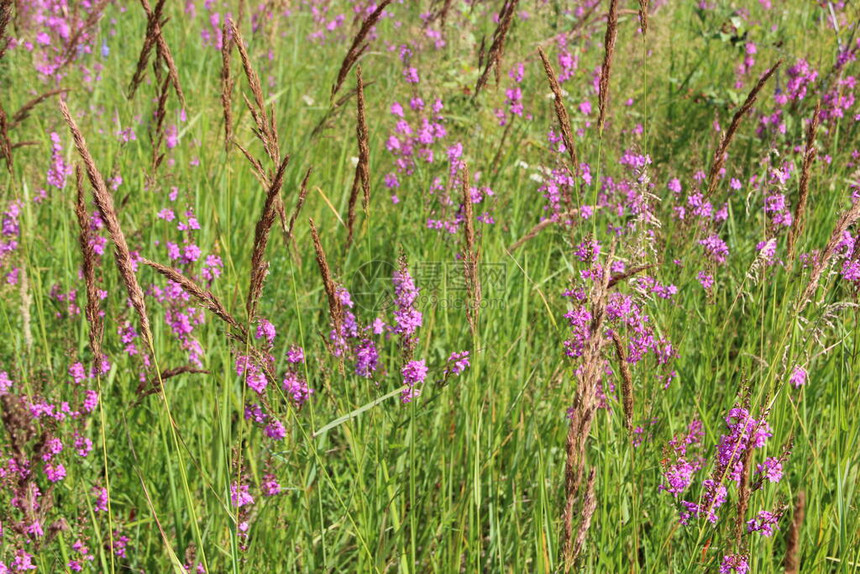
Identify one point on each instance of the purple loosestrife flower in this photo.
(23, 562)
(414, 374)
(5, 383)
(275, 430)
(59, 171)
(798, 376)
(239, 495)
(678, 474)
(771, 468)
(296, 355)
(457, 363)
(765, 523)
(253, 375)
(55, 473)
(270, 486)
(266, 330)
(297, 388)
(406, 316)
(734, 563)
(366, 358)
(715, 249)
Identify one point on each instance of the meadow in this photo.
(429, 286)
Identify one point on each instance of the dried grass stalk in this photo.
(259, 170)
(619, 277)
(589, 505)
(626, 381)
(535, 231)
(89, 263)
(643, 16)
(582, 416)
(227, 84)
(792, 539)
(606, 69)
(358, 46)
(203, 296)
(744, 492)
(720, 155)
(560, 112)
(153, 17)
(803, 192)
(26, 301)
(846, 220)
(334, 306)
(494, 55)
(261, 238)
(470, 255)
(5, 18)
(361, 180)
(157, 130)
(303, 193)
(265, 126)
(104, 201)
(163, 51)
(5, 144)
(146, 388)
(24, 112)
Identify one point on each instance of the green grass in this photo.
(469, 477)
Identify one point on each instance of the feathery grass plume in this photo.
(154, 37)
(24, 112)
(589, 505)
(560, 112)
(470, 255)
(265, 126)
(803, 191)
(643, 16)
(7, 124)
(89, 263)
(156, 130)
(303, 193)
(720, 154)
(744, 492)
(442, 14)
(606, 69)
(203, 296)
(358, 46)
(626, 381)
(148, 42)
(259, 170)
(362, 168)
(26, 301)
(582, 416)
(792, 539)
(150, 387)
(332, 112)
(846, 220)
(497, 48)
(335, 308)
(104, 201)
(265, 130)
(535, 231)
(5, 144)
(226, 84)
(619, 277)
(261, 238)
(5, 18)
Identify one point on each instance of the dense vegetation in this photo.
(429, 286)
